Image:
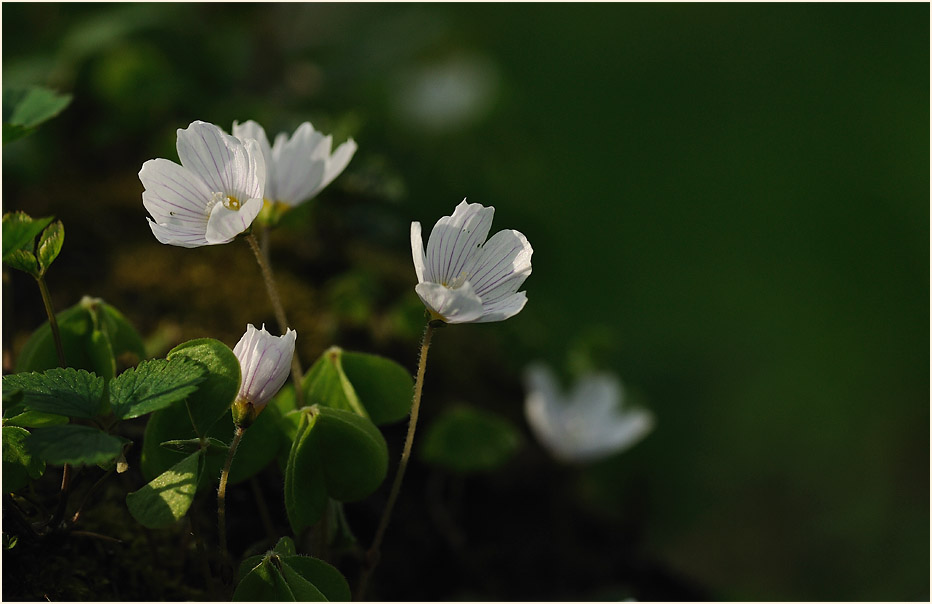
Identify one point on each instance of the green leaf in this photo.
(285, 547)
(83, 349)
(69, 392)
(465, 439)
(34, 419)
(259, 446)
(326, 384)
(303, 590)
(335, 453)
(323, 576)
(190, 445)
(167, 498)
(19, 465)
(20, 230)
(154, 385)
(26, 108)
(264, 583)
(74, 444)
(384, 387)
(305, 490)
(353, 453)
(215, 395)
(374, 387)
(23, 260)
(50, 245)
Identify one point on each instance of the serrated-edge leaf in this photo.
(70, 392)
(154, 385)
(20, 230)
(74, 444)
(35, 419)
(19, 465)
(167, 498)
(50, 244)
(23, 260)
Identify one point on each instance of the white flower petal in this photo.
(417, 251)
(265, 361)
(173, 193)
(502, 309)
(455, 240)
(252, 130)
(181, 236)
(338, 162)
(224, 224)
(221, 161)
(588, 425)
(502, 266)
(460, 305)
(297, 173)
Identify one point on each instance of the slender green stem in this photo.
(297, 375)
(372, 556)
(53, 323)
(222, 493)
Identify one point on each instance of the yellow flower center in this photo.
(229, 202)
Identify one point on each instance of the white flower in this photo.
(265, 361)
(590, 423)
(298, 168)
(465, 279)
(214, 194)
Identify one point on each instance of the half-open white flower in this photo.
(299, 167)
(465, 279)
(265, 362)
(214, 194)
(590, 423)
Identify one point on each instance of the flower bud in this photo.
(265, 361)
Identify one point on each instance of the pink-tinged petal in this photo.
(460, 305)
(502, 309)
(455, 240)
(502, 266)
(224, 224)
(173, 194)
(417, 251)
(177, 235)
(265, 361)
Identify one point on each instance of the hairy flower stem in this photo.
(222, 494)
(297, 375)
(372, 556)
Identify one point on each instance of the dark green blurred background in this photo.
(728, 206)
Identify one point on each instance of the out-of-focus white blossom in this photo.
(588, 424)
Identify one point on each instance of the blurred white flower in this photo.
(213, 196)
(297, 168)
(465, 279)
(265, 362)
(590, 423)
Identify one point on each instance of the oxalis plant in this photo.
(216, 415)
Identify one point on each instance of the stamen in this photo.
(229, 202)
